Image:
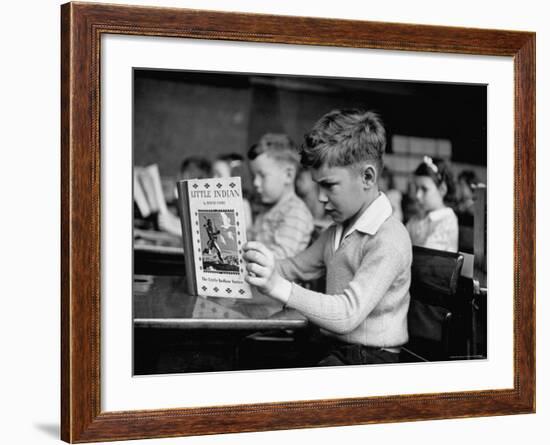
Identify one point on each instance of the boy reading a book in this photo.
(286, 227)
(366, 255)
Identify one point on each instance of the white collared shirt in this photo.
(367, 280)
(437, 229)
(370, 220)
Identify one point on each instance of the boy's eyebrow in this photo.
(325, 180)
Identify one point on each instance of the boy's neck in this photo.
(370, 197)
(288, 191)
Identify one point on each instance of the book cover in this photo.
(214, 232)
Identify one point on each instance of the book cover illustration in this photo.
(214, 232)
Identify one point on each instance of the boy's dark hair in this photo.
(440, 172)
(230, 157)
(278, 146)
(199, 165)
(343, 138)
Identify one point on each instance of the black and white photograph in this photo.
(365, 213)
(113, 330)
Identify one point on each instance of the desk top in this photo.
(162, 302)
(156, 238)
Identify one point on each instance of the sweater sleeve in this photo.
(342, 313)
(309, 264)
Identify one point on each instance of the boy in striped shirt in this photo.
(286, 227)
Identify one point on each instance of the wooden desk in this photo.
(178, 332)
(158, 260)
(158, 253)
(157, 238)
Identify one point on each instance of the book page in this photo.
(148, 188)
(156, 187)
(139, 196)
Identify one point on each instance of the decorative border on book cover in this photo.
(218, 235)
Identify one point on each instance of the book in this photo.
(214, 232)
(209, 309)
(139, 196)
(151, 186)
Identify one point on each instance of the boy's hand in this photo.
(262, 272)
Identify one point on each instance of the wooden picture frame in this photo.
(82, 26)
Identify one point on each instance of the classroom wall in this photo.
(176, 119)
(178, 114)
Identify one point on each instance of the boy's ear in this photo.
(369, 175)
(290, 171)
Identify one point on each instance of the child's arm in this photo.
(262, 272)
(338, 313)
(306, 266)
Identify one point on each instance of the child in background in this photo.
(387, 185)
(436, 226)
(227, 166)
(409, 204)
(366, 256)
(467, 182)
(286, 227)
(224, 165)
(193, 167)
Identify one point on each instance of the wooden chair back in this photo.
(434, 279)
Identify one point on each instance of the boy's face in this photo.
(342, 190)
(272, 178)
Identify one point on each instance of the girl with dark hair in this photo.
(436, 226)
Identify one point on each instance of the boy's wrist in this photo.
(281, 290)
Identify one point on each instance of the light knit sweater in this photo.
(368, 278)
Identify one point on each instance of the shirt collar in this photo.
(370, 220)
(436, 215)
